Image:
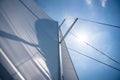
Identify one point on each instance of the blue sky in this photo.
(104, 38)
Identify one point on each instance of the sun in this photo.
(83, 37)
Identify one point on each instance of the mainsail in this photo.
(28, 41)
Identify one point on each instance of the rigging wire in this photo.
(93, 59)
(92, 21)
(99, 23)
(97, 50)
(102, 52)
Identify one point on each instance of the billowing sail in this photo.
(28, 41)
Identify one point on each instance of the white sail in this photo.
(28, 41)
(68, 70)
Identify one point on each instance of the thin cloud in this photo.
(89, 2)
(103, 3)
